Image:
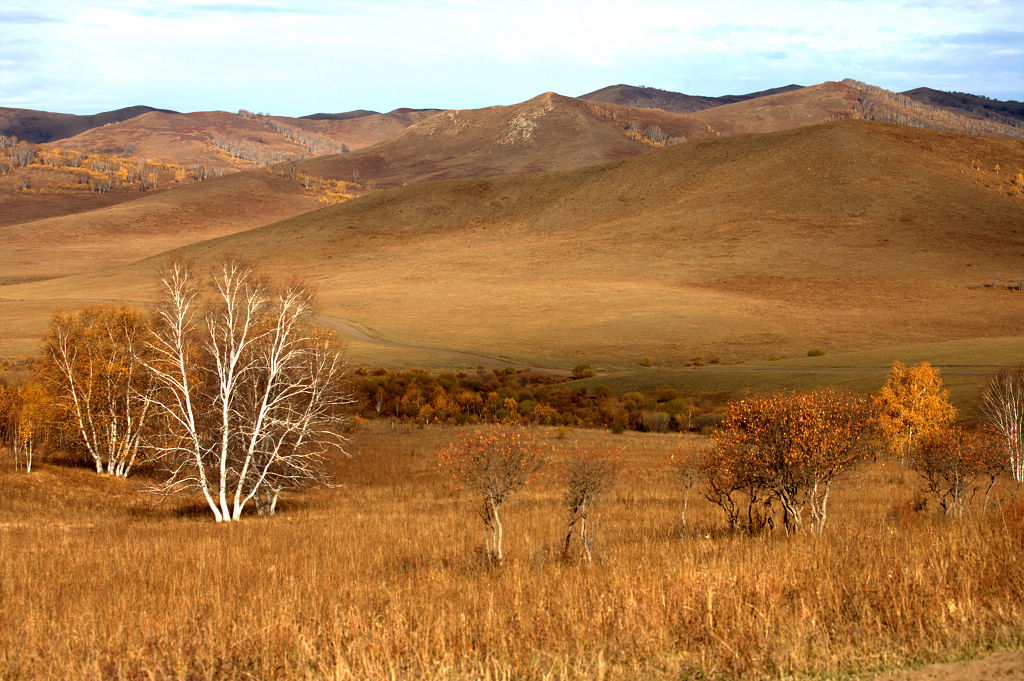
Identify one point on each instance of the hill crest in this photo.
(653, 98)
(45, 126)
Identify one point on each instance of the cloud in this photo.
(26, 17)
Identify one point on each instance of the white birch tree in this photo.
(250, 395)
(1002, 404)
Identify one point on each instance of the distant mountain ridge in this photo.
(652, 98)
(964, 102)
(44, 126)
(921, 107)
(361, 113)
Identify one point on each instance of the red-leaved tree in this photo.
(494, 464)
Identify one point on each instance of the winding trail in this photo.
(355, 333)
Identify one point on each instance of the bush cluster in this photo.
(525, 397)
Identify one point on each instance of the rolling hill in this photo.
(553, 132)
(44, 126)
(792, 108)
(850, 235)
(547, 132)
(123, 233)
(228, 142)
(409, 116)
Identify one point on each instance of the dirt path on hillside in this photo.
(1005, 665)
(355, 333)
(350, 330)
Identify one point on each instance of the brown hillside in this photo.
(182, 138)
(879, 104)
(548, 132)
(123, 233)
(848, 235)
(45, 126)
(17, 206)
(552, 132)
(793, 109)
(653, 98)
(359, 132)
(227, 141)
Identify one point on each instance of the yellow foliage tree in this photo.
(36, 406)
(912, 404)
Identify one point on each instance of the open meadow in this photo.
(383, 576)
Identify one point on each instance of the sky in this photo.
(297, 58)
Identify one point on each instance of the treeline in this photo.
(327, 191)
(647, 134)
(59, 169)
(775, 456)
(315, 143)
(260, 154)
(879, 104)
(525, 397)
(250, 152)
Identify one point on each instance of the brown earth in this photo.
(17, 206)
(1005, 665)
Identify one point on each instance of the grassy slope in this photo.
(849, 236)
(103, 239)
(796, 108)
(647, 97)
(45, 126)
(126, 232)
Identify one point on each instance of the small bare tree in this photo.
(993, 461)
(1002, 404)
(591, 474)
(494, 464)
(949, 461)
(688, 467)
(251, 397)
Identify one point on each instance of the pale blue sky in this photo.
(296, 58)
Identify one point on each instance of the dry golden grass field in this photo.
(382, 578)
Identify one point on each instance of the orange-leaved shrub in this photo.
(787, 449)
